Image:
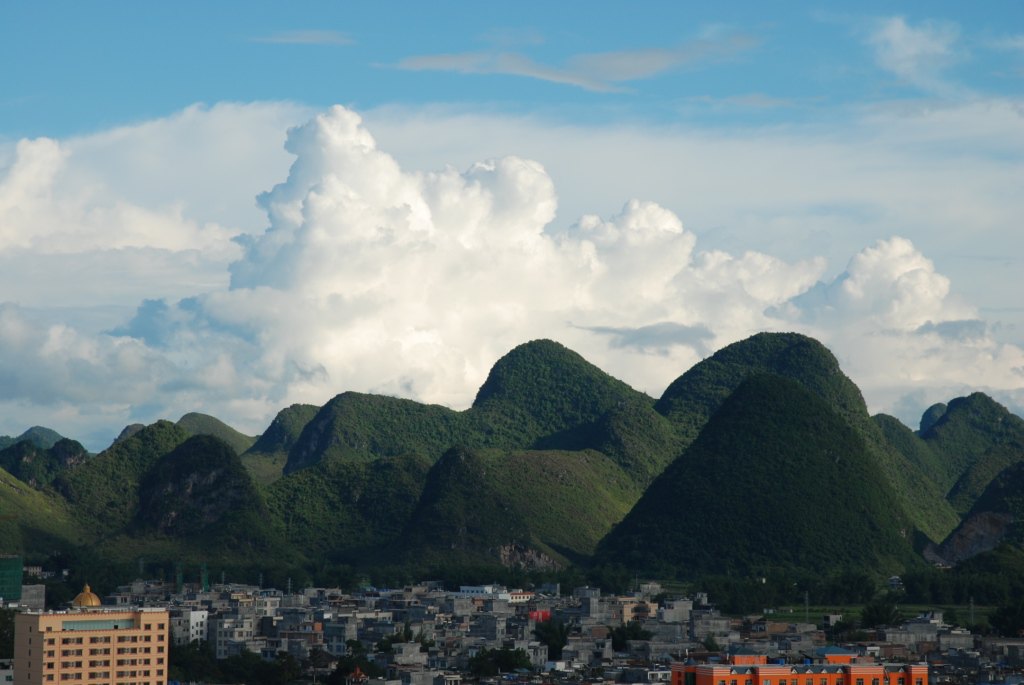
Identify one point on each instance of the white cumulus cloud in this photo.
(141, 280)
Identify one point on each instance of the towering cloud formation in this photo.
(367, 276)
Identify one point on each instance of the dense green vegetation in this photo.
(201, 493)
(692, 398)
(476, 502)
(757, 472)
(777, 479)
(104, 491)
(972, 431)
(338, 510)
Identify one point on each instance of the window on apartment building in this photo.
(860, 681)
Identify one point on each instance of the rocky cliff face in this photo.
(980, 532)
(514, 555)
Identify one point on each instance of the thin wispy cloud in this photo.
(917, 55)
(597, 71)
(306, 37)
(1011, 43)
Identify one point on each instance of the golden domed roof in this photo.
(86, 598)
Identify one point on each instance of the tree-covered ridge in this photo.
(34, 520)
(356, 426)
(538, 396)
(104, 491)
(693, 397)
(553, 453)
(976, 438)
(777, 478)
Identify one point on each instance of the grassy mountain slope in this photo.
(194, 423)
(265, 460)
(34, 521)
(104, 491)
(518, 507)
(776, 479)
(38, 466)
(692, 398)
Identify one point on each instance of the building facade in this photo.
(835, 670)
(92, 646)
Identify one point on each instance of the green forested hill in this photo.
(104, 491)
(762, 456)
(201, 492)
(342, 510)
(776, 479)
(356, 426)
(542, 388)
(692, 398)
(976, 438)
(481, 505)
(539, 395)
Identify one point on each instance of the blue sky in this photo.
(76, 67)
(187, 222)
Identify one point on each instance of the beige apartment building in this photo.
(92, 645)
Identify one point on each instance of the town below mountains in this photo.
(758, 472)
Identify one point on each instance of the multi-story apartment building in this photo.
(92, 645)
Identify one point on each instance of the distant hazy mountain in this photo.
(204, 424)
(39, 436)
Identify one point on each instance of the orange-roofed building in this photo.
(837, 669)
